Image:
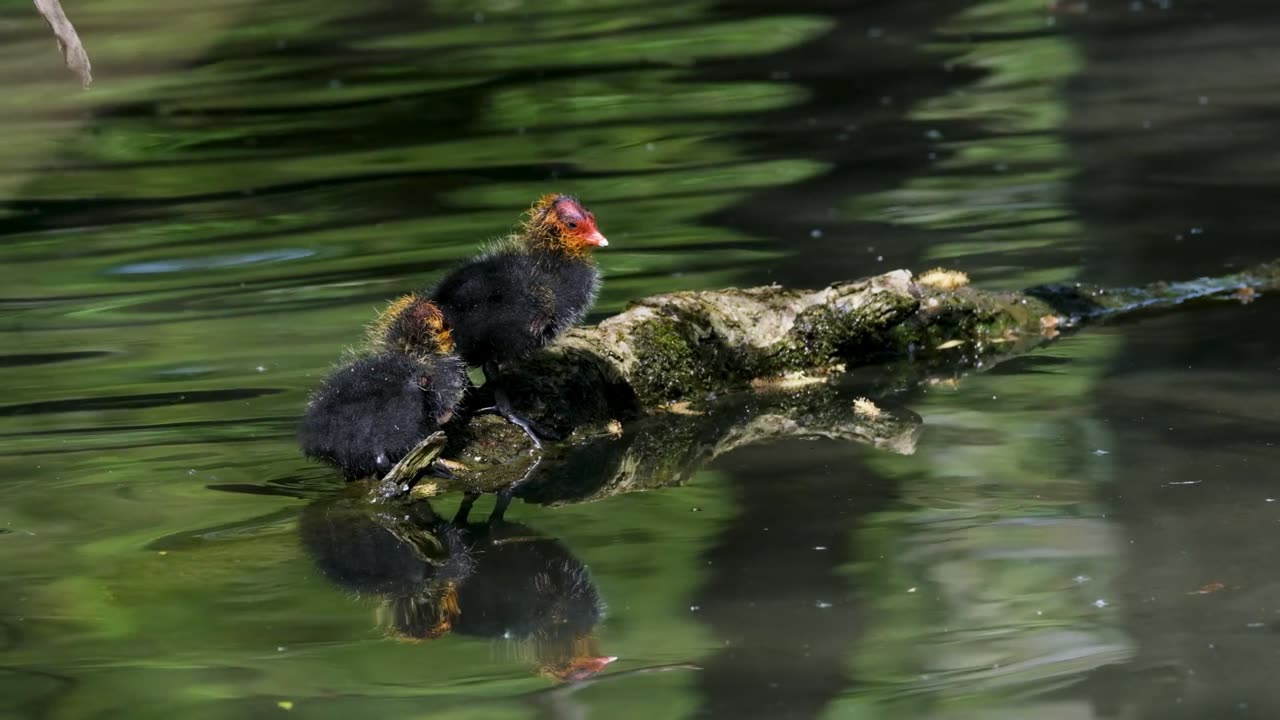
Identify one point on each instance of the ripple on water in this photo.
(155, 267)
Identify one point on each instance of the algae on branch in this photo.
(667, 364)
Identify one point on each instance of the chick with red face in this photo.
(529, 289)
(523, 293)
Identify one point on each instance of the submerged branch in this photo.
(648, 396)
(73, 52)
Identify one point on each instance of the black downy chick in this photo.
(372, 411)
(521, 295)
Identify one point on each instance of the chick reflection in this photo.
(491, 579)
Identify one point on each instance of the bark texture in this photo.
(647, 397)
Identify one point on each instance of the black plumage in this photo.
(521, 295)
(372, 411)
(504, 305)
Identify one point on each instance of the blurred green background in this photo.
(187, 248)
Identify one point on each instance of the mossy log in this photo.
(648, 396)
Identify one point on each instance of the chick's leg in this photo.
(502, 404)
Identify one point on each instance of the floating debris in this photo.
(949, 344)
(682, 408)
(1208, 588)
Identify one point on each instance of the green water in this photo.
(1084, 532)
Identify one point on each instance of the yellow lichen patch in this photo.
(867, 409)
(682, 408)
(453, 465)
(1049, 326)
(425, 490)
(789, 380)
(941, 279)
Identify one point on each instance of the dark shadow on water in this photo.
(775, 594)
(1171, 186)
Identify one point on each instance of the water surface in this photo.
(1083, 532)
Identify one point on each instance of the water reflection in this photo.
(436, 576)
(163, 325)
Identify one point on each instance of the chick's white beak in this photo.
(595, 238)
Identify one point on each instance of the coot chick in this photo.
(524, 292)
(372, 411)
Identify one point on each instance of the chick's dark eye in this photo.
(572, 225)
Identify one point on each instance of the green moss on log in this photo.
(669, 364)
